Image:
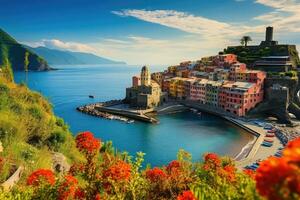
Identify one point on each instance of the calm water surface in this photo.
(70, 86)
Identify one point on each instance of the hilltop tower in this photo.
(145, 76)
(269, 34)
(269, 38)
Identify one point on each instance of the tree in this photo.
(245, 40)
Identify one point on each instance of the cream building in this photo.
(146, 95)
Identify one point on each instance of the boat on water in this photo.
(193, 110)
(267, 144)
(269, 140)
(270, 135)
(130, 121)
(91, 96)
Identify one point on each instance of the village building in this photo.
(144, 93)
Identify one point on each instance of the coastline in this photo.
(250, 153)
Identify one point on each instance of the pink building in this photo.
(198, 91)
(136, 81)
(225, 60)
(240, 97)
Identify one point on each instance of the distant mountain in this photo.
(15, 54)
(59, 57)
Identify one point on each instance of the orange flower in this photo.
(292, 151)
(186, 195)
(118, 171)
(229, 172)
(173, 165)
(250, 173)
(41, 176)
(277, 179)
(155, 174)
(211, 161)
(86, 143)
(98, 197)
(68, 188)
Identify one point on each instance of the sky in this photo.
(148, 31)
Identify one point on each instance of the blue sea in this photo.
(70, 86)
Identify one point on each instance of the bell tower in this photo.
(145, 76)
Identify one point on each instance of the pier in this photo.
(117, 110)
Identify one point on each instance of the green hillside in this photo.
(18, 56)
(29, 131)
(250, 54)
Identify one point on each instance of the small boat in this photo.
(267, 144)
(194, 110)
(91, 96)
(268, 126)
(130, 121)
(270, 135)
(269, 140)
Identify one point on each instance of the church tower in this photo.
(145, 76)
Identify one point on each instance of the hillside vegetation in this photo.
(29, 131)
(19, 57)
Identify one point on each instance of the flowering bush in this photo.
(211, 161)
(41, 176)
(186, 195)
(120, 171)
(86, 143)
(250, 173)
(279, 178)
(67, 189)
(156, 175)
(116, 176)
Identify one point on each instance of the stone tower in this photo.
(145, 76)
(269, 34)
(269, 38)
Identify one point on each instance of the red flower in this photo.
(186, 195)
(294, 143)
(68, 188)
(250, 173)
(1, 163)
(292, 151)
(228, 172)
(118, 171)
(41, 176)
(86, 143)
(79, 194)
(98, 197)
(277, 179)
(155, 174)
(211, 161)
(173, 165)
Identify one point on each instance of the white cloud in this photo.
(71, 46)
(203, 36)
(208, 28)
(285, 17)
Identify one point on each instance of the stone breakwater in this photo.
(91, 109)
(118, 110)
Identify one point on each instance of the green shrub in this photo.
(56, 139)
(35, 112)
